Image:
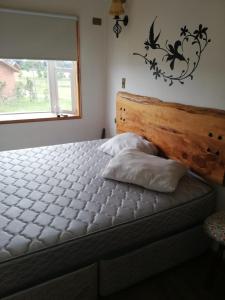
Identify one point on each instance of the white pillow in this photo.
(127, 140)
(151, 172)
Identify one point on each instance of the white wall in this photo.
(207, 88)
(93, 71)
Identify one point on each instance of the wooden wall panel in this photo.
(193, 135)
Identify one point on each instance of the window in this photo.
(38, 86)
(39, 67)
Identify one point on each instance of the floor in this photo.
(186, 282)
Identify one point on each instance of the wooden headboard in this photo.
(193, 135)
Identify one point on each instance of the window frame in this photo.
(46, 116)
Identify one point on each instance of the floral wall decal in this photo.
(173, 53)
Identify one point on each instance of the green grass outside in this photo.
(24, 105)
(41, 103)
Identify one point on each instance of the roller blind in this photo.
(37, 36)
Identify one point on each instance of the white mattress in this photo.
(53, 194)
(58, 213)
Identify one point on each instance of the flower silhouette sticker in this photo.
(174, 53)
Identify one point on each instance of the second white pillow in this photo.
(127, 140)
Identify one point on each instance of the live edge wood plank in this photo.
(195, 136)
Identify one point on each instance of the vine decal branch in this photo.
(175, 52)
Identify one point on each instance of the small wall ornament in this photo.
(174, 53)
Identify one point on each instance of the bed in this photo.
(67, 233)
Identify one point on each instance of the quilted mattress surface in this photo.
(57, 212)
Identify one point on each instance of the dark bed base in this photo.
(115, 273)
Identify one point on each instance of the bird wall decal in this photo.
(174, 52)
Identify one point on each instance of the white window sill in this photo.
(35, 117)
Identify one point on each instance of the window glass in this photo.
(34, 86)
